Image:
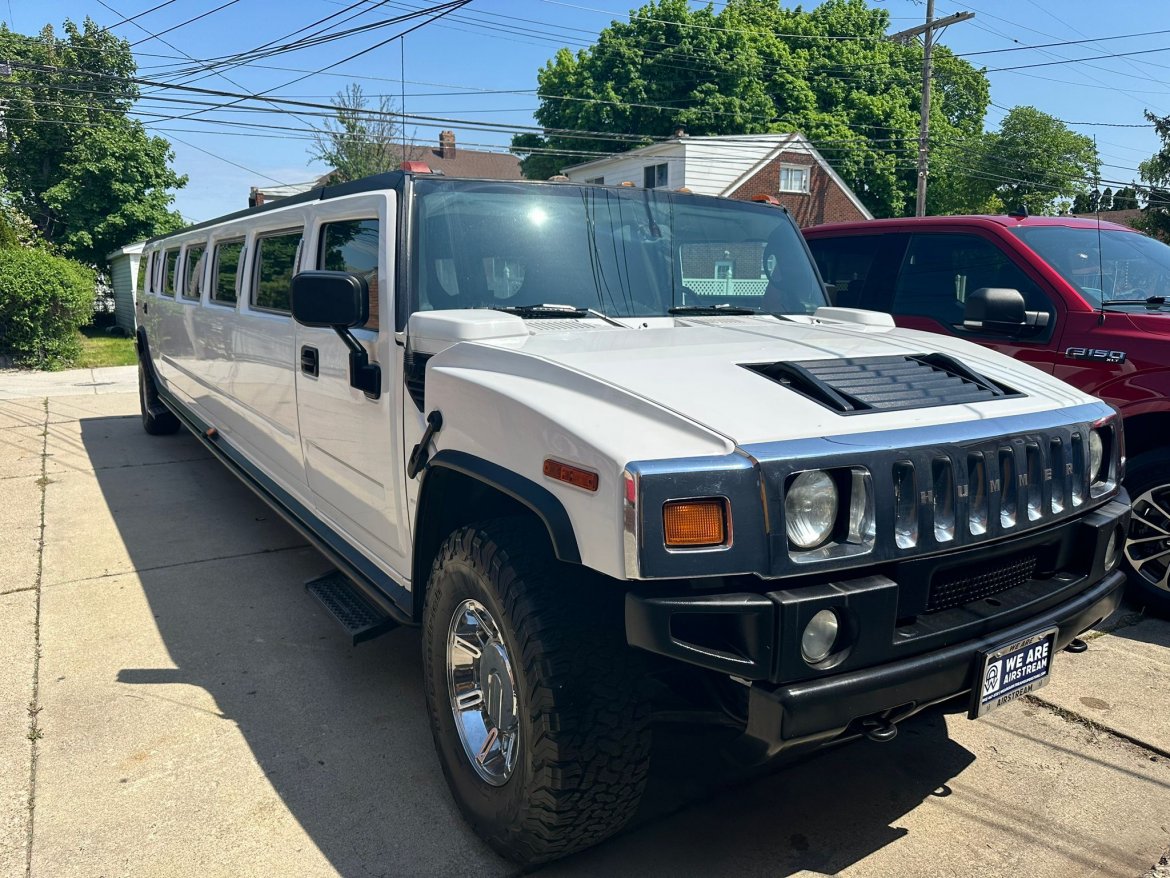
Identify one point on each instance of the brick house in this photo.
(446, 157)
(786, 166)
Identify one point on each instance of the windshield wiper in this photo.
(710, 310)
(1149, 301)
(545, 312)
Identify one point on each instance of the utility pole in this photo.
(928, 31)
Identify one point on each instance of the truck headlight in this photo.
(1096, 455)
(810, 509)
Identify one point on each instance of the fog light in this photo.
(816, 644)
(1113, 549)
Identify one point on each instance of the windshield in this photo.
(1115, 266)
(622, 252)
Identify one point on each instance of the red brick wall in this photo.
(825, 202)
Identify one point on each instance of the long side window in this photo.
(170, 262)
(225, 266)
(276, 259)
(143, 273)
(193, 271)
(352, 246)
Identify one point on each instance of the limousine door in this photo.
(350, 441)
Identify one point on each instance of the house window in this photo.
(596, 181)
(794, 178)
(654, 176)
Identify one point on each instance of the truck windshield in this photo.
(1117, 266)
(623, 252)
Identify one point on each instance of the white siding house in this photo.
(124, 278)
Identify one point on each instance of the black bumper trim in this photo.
(819, 711)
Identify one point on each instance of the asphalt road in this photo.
(173, 703)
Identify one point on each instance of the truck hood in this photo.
(695, 369)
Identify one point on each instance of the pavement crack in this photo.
(18, 590)
(35, 732)
(1096, 726)
(140, 570)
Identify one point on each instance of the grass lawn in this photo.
(100, 348)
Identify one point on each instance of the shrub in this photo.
(44, 299)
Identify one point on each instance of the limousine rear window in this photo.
(193, 271)
(352, 246)
(170, 260)
(226, 265)
(276, 259)
(143, 264)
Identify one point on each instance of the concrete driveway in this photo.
(173, 703)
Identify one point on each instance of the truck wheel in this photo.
(532, 693)
(161, 423)
(1147, 548)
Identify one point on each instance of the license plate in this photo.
(1012, 671)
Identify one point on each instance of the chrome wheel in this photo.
(483, 692)
(1147, 548)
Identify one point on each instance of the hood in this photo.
(696, 369)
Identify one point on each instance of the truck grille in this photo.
(953, 588)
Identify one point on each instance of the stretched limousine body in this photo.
(613, 450)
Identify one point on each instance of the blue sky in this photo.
(481, 63)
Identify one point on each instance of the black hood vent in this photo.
(853, 386)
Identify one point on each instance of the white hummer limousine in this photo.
(616, 454)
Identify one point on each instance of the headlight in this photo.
(820, 635)
(1096, 455)
(810, 509)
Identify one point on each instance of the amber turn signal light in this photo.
(573, 475)
(692, 524)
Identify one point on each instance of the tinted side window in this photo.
(846, 263)
(353, 246)
(939, 271)
(193, 271)
(276, 257)
(227, 257)
(170, 261)
(143, 272)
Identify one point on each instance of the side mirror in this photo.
(993, 309)
(339, 301)
(330, 299)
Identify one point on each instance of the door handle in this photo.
(309, 361)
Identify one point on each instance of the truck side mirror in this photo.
(338, 300)
(994, 309)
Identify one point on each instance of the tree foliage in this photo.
(88, 176)
(358, 142)
(43, 300)
(1125, 198)
(753, 67)
(1155, 174)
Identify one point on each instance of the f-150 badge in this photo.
(1098, 354)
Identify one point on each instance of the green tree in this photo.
(1125, 198)
(1034, 160)
(1107, 199)
(88, 176)
(43, 300)
(754, 68)
(358, 141)
(1081, 203)
(1155, 174)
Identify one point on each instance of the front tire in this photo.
(1147, 548)
(543, 736)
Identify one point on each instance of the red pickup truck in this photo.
(1088, 302)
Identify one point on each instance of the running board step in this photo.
(360, 618)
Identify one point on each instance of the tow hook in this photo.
(880, 729)
(1076, 646)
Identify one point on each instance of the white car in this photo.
(615, 454)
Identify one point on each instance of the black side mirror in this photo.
(330, 299)
(339, 301)
(993, 309)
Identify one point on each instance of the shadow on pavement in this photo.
(342, 737)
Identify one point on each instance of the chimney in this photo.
(680, 133)
(446, 144)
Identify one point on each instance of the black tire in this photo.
(583, 728)
(1147, 557)
(160, 424)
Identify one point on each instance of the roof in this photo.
(468, 162)
(974, 221)
(129, 250)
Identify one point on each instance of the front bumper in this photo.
(901, 655)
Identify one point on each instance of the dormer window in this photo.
(794, 178)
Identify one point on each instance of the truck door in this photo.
(351, 443)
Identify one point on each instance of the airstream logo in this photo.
(1098, 354)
